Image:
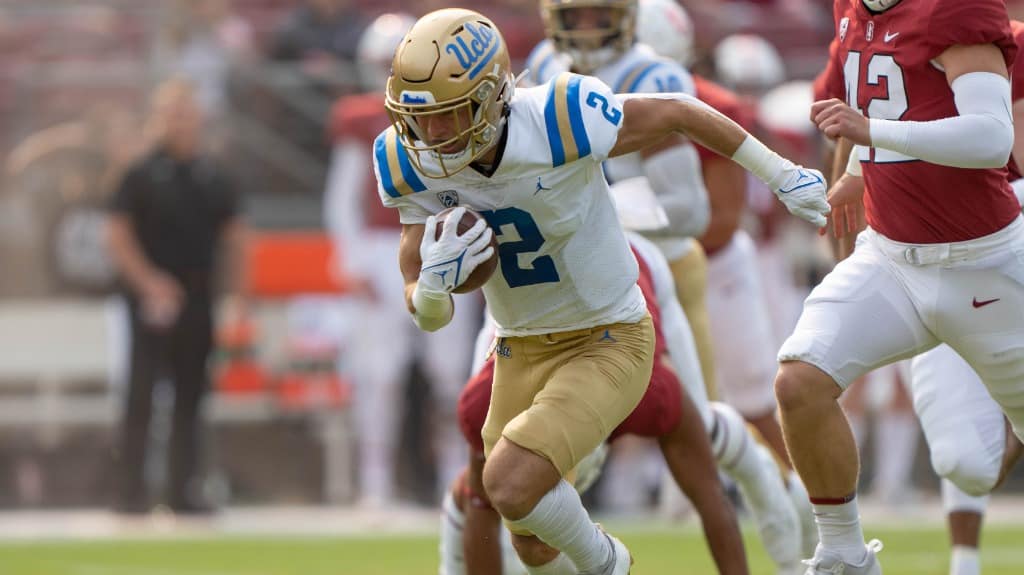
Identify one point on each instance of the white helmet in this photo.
(665, 26)
(785, 112)
(747, 61)
(880, 5)
(787, 108)
(377, 48)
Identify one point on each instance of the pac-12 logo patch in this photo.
(448, 198)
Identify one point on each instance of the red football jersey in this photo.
(882, 65)
(656, 415)
(1016, 86)
(360, 118)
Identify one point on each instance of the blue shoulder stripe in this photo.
(380, 152)
(579, 131)
(397, 175)
(551, 123)
(640, 77)
(408, 172)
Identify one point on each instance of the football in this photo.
(483, 272)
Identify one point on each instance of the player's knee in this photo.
(967, 469)
(508, 491)
(799, 385)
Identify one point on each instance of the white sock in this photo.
(839, 530)
(452, 521)
(560, 520)
(895, 445)
(964, 561)
(560, 565)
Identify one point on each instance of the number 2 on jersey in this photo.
(613, 115)
(542, 268)
(892, 107)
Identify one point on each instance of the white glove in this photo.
(448, 260)
(804, 193)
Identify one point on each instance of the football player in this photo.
(576, 346)
(972, 445)
(940, 261)
(598, 36)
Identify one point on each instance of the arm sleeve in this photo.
(582, 118)
(980, 136)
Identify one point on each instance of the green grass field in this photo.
(657, 552)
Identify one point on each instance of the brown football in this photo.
(483, 272)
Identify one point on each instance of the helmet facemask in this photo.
(592, 32)
(477, 120)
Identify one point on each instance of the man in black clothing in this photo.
(172, 211)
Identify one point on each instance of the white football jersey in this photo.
(640, 70)
(564, 263)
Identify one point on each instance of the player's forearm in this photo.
(688, 454)
(980, 136)
(706, 125)
(723, 535)
(481, 541)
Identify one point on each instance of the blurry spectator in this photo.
(322, 37)
(173, 208)
(204, 39)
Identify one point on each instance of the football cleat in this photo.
(826, 562)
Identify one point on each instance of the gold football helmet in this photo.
(592, 32)
(454, 64)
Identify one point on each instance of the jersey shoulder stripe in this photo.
(397, 175)
(563, 118)
(539, 60)
(634, 75)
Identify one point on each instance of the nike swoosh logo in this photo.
(817, 180)
(889, 36)
(978, 304)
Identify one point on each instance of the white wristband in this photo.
(853, 166)
(433, 309)
(761, 161)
